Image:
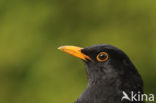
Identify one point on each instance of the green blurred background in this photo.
(32, 70)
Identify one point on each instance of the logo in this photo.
(137, 96)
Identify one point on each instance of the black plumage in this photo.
(108, 79)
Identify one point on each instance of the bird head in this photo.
(103, 62)
(109, 72)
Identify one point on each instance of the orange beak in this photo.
(75, 51)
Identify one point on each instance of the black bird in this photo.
(112, 78)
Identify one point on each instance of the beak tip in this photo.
(60, 47)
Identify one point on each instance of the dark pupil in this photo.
(102, 56)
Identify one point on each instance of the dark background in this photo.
(32, 70)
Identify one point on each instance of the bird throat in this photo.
(101, 85)
(99, 75)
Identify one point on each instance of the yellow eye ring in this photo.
(102, 57)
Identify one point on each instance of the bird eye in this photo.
(102, 57)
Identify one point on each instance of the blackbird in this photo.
(112, 78)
